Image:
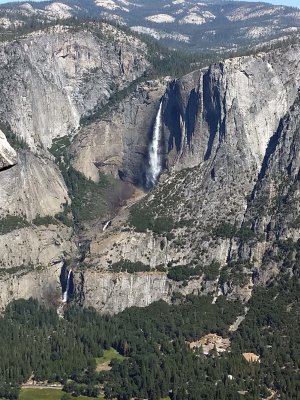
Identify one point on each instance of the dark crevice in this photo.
(289, 168)
(79, 289)
(213, 174)
(63, 277)
(273, 142)
(213, 111)
(71, 285)
(172, 118)
(191, 115)
(7, 167)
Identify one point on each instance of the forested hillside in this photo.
(199, 26)
(158, 361)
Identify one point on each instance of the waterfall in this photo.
(65, 295)
(154, 156)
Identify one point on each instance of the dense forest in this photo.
(154, 341)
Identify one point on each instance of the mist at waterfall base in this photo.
(155, 162)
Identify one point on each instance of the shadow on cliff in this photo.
(212, 106)
(172, 117)
(191, 115)
(271, 148)
(7, 167)
(175, 114)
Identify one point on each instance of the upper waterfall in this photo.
(154, 151)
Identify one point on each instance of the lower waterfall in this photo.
(65, 294)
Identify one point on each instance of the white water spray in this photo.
(154, 156)
(65, 295)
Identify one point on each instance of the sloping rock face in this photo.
(48, 80)
(8, 156)
(229, 141)
(43, 284)
(114, 292)
(33, 187)
(230, 137)
(36, 246)
(117, 144)
(274, 209)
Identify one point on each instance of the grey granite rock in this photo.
(8, 156)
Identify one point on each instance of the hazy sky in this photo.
(295, 3)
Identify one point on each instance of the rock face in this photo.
(36, 246)
(236, 104)
(8, 156)
(229, 145)
(42, 284)
(114, 292)
(226, 130)
(221, 121)
(274, 209)
(33, 187)
(118, 143)
(48, 80)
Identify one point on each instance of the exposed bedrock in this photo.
(229, 138)
(8, 156)
(48, 80)
(221, 122)
(118, 143)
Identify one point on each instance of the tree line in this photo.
(159, 362)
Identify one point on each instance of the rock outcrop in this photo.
(33, 187)
(36, 246)
(26, 282)
(219, 126)
(229, 139)
(49, 79)
(117, 144)
(8, 156)
(114, 292)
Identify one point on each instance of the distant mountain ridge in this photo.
(206, 25)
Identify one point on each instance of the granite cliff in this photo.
(219, 125)
(228, 151)
(50, 79)
(8, 156)
(117, 145)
